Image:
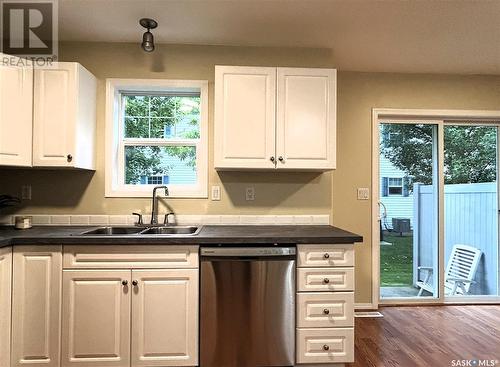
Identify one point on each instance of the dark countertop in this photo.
(209, 235)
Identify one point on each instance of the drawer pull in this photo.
(326, 256)
(326, 311)
(326, 280)
(326, 347)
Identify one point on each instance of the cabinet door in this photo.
(306, 118)
(54, 115)
(36, 303)
(165, 318)
(16, 107)
(5, 304)
(245, 117)
(96, 318)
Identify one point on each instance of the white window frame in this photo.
(114, 163)
(398, 186)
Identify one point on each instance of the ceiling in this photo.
(433, 36)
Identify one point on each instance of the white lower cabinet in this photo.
(5, 304)
(325, 309)
(130, 317)
(96, 318)
(318, 345)
(325, 304)
(36, 304)
(165, 317)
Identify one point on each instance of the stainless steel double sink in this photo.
(135, 231)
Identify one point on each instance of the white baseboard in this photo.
(364, 306)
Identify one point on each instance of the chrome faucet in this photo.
(154, 204)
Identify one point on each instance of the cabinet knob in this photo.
(326, 280)
(326, 347)
(326, 311)
(69, 157)
(281, 159)
(326, 256)
(135, 283)
(272, 159)
(124, 282)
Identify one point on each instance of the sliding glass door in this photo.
(470, 210)
(408, 171)
(439, 211)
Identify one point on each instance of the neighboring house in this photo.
(179, 172)
(394, 193)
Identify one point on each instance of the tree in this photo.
(148, 117)
(469, 157)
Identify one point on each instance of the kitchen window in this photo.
(156, 133)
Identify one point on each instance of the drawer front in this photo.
(130, 257)
(325, 309)
(325, 279)
(325, 345)
(325, 255)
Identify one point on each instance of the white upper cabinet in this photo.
(16, 107)
(275, 118)
(245, 117)
(306, 118)
(64, 117)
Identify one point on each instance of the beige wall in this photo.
(83, 192)
(358, 93)
(277, 193)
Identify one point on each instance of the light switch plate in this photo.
(215, 193)
(250, 194)
(363, 193)
(26, 192)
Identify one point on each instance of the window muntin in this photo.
(154, 180)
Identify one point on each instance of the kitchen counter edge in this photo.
(209, 235)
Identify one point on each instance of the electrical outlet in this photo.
(215, 193)
(363, 193)
(250, 194)
(26, 192)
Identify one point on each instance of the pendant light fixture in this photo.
(148, 44)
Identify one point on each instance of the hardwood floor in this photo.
(431, 336)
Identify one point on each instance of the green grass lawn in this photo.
(396, 267)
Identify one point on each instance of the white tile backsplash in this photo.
(98, 219)
(6, 220)
(79, 220)
(118, 219)
(302, 219)
(41, 220)
(182, 219)
(60, 220)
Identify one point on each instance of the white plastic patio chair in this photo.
(460, 271)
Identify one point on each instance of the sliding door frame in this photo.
(441, 118)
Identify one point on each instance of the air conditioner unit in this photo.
(401, 225)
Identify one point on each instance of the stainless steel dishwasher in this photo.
(247, 306)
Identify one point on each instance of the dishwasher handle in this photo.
(242, 252)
